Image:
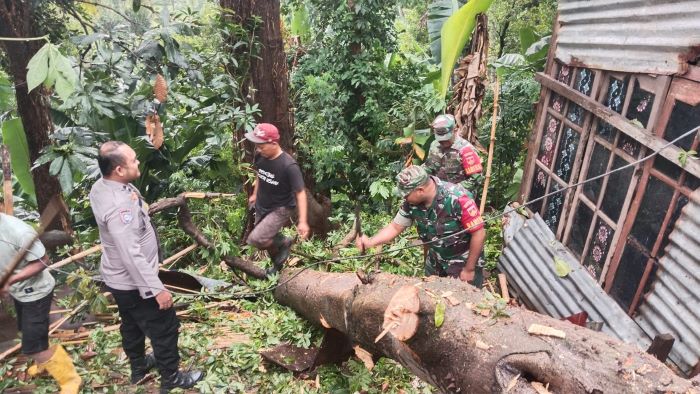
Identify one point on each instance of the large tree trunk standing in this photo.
(471, 353)
(17, 21)
(269, 81)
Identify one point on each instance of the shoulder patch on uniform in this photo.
(126, 216)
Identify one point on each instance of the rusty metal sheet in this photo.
(528, 262)
(638, 36)
(671, 306)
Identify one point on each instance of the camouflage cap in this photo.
(410, 178)
(442, 127)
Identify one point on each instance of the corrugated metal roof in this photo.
(644, 36)
(673, 304)
(528, 262)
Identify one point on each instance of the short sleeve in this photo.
(36, 249)
(403, 216)
(471, 217)
(471, 162)
(296, 181)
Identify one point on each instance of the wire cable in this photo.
(394, 250)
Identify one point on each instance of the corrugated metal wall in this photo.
(673, 304)
(528, 261)
(652, 36)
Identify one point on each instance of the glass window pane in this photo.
(652, 211)
(575, 113)
(691, 182)
(549, 141)
(615, 98)
(584, 81)
(579, 228)
(667, 168)
(628, 145)
(553, 208)
(598, 165)
(539, 185)
(598, 249)
(564, 74)
(640, 105)
(606, 131)
(568, 145)
(557, 102)
(629, 274)
(683, 118)
(616, 191)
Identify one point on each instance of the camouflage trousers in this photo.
(434, 265)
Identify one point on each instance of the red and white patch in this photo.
(126, 216)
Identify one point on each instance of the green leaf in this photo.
(538, 50)
(421, 136)
(300, 26)
(527, 38)
(440, 313)
(14, 138)
(65, 178)
(561, 267)
(6, 93)
(438, 13)
(454, 35)
(38, 67)
(56, 166)
(683, 156)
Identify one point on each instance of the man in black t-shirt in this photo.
(279, 189)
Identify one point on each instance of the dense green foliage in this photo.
(363, 95)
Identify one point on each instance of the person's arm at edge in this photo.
(475, 246)
(303, 225)
(388, 233)
(29, 270)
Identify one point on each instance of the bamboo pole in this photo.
(494, 123)
(75, 257)
(7, 179)
(178, 255)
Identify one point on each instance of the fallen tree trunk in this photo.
(482, 346)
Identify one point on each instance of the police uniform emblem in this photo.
(125, 216)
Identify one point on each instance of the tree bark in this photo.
(268, 70)
(269, 80)
(17, 20)
(473, 352)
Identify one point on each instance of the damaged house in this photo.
(622, 81)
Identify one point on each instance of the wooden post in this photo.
(503, 283)
(494, 123)
(661, 346)
(6, 180)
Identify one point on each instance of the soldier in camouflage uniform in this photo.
(451, 157)
(438, 209)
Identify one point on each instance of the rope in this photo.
(368, 255)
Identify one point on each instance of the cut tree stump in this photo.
(478, 348)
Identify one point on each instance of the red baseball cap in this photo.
(262, 133)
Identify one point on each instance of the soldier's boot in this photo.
(141, 366)
(279, 253)
(60, 366)
(179, 379)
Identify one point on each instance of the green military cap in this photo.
(410, 178)
(443, 126)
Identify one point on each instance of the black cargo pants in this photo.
(142, 318)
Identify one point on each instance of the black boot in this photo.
(141, 366)
(279, 253)
(179, 380)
